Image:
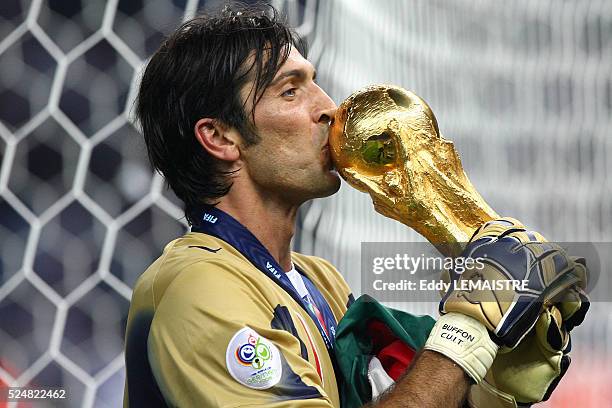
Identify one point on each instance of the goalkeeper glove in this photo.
(476, 322)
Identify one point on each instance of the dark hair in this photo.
(198, 72)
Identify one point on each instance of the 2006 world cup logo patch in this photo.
(254, 352)
(253, 360)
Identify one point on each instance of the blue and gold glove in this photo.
(530, 372)
(497, 302)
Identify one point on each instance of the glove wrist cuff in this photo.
(464, 340)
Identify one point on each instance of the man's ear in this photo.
(218, 140)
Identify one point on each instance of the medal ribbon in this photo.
(219, 224)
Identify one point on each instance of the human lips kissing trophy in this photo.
(385, 141)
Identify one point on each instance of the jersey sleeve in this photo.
(211, 343)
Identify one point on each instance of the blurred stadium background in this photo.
(524, 88)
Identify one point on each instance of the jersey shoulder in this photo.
(195, 257)
(195, 307)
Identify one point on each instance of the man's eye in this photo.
(289, 92)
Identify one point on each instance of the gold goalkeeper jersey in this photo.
(207, 328)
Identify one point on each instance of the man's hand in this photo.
(476, 321)
(530, 372)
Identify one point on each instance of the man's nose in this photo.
(327, 108)
(327, 116)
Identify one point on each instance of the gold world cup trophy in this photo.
(385, 141)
